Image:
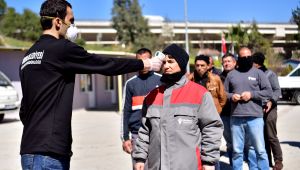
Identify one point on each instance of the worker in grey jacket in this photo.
(247, 87)
(181, 128)
(270, 116)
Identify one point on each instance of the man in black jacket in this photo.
(47, 75)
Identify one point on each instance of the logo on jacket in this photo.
(181, 120)
(251, 78)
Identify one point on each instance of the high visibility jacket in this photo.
(181, 128)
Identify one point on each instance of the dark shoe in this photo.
(278, 165)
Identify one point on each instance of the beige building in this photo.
(200, 34)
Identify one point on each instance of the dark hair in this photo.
(53, 8)
(202, 57)
(229, 55)
(258, 58)
(144, 50)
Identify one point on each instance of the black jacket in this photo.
(47, 75)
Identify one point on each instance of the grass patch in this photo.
(16, 43)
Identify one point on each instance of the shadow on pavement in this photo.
(8, 120)
(292, 143)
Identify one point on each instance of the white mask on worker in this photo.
(72, 33)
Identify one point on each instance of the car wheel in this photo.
(297, 97)
(1, 117)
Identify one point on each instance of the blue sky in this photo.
(263, 11)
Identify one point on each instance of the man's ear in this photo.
(57, 23)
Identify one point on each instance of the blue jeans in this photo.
(227, 136)
(41, 162)
(253, 129)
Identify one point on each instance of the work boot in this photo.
(278, 165)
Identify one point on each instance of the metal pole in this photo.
(186, 34)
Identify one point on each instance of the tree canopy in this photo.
(248, 36)
(24, 26)
(132, 28)
(2, 8)
(296, 19)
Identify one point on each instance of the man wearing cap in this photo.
(209, 80)
(181, 128)
(270, 113)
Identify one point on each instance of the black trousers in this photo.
(270, 132)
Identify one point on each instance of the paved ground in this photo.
(97, 144)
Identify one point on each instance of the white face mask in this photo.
(72, 33)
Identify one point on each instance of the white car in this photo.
(290, 85)
(9, 101)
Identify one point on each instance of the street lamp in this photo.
(186, 34)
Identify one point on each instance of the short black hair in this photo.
(143, 50)
(53, 8)
(259, 58)
(202, 57)
(229, 55)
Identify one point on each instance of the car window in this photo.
(296, 73)
(4, 81)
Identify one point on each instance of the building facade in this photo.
(200, 34)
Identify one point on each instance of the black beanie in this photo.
(178, 54)
(258, 58)
(202, 57)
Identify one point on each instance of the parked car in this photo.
(9, 101)
(290, 85)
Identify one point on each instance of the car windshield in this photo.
(3, 80)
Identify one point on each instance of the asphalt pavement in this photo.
(97, 144)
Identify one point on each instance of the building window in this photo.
(86, 84)
(109, 83)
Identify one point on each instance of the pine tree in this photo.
(132, 28)
(2, 8)
(296, 19)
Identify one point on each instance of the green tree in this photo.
(238, 36)
(248, 36)
(132, 28)
(296, 19)
(24, 26)
(2, 8)
(10, 23)
(30, 28)
(251, 37)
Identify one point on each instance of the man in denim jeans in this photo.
(247, 87)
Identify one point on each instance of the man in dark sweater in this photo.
(135, 90)
(270, 116)
(47, 75)
(247, 87)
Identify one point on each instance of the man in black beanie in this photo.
(270, 117)
(178, 118)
